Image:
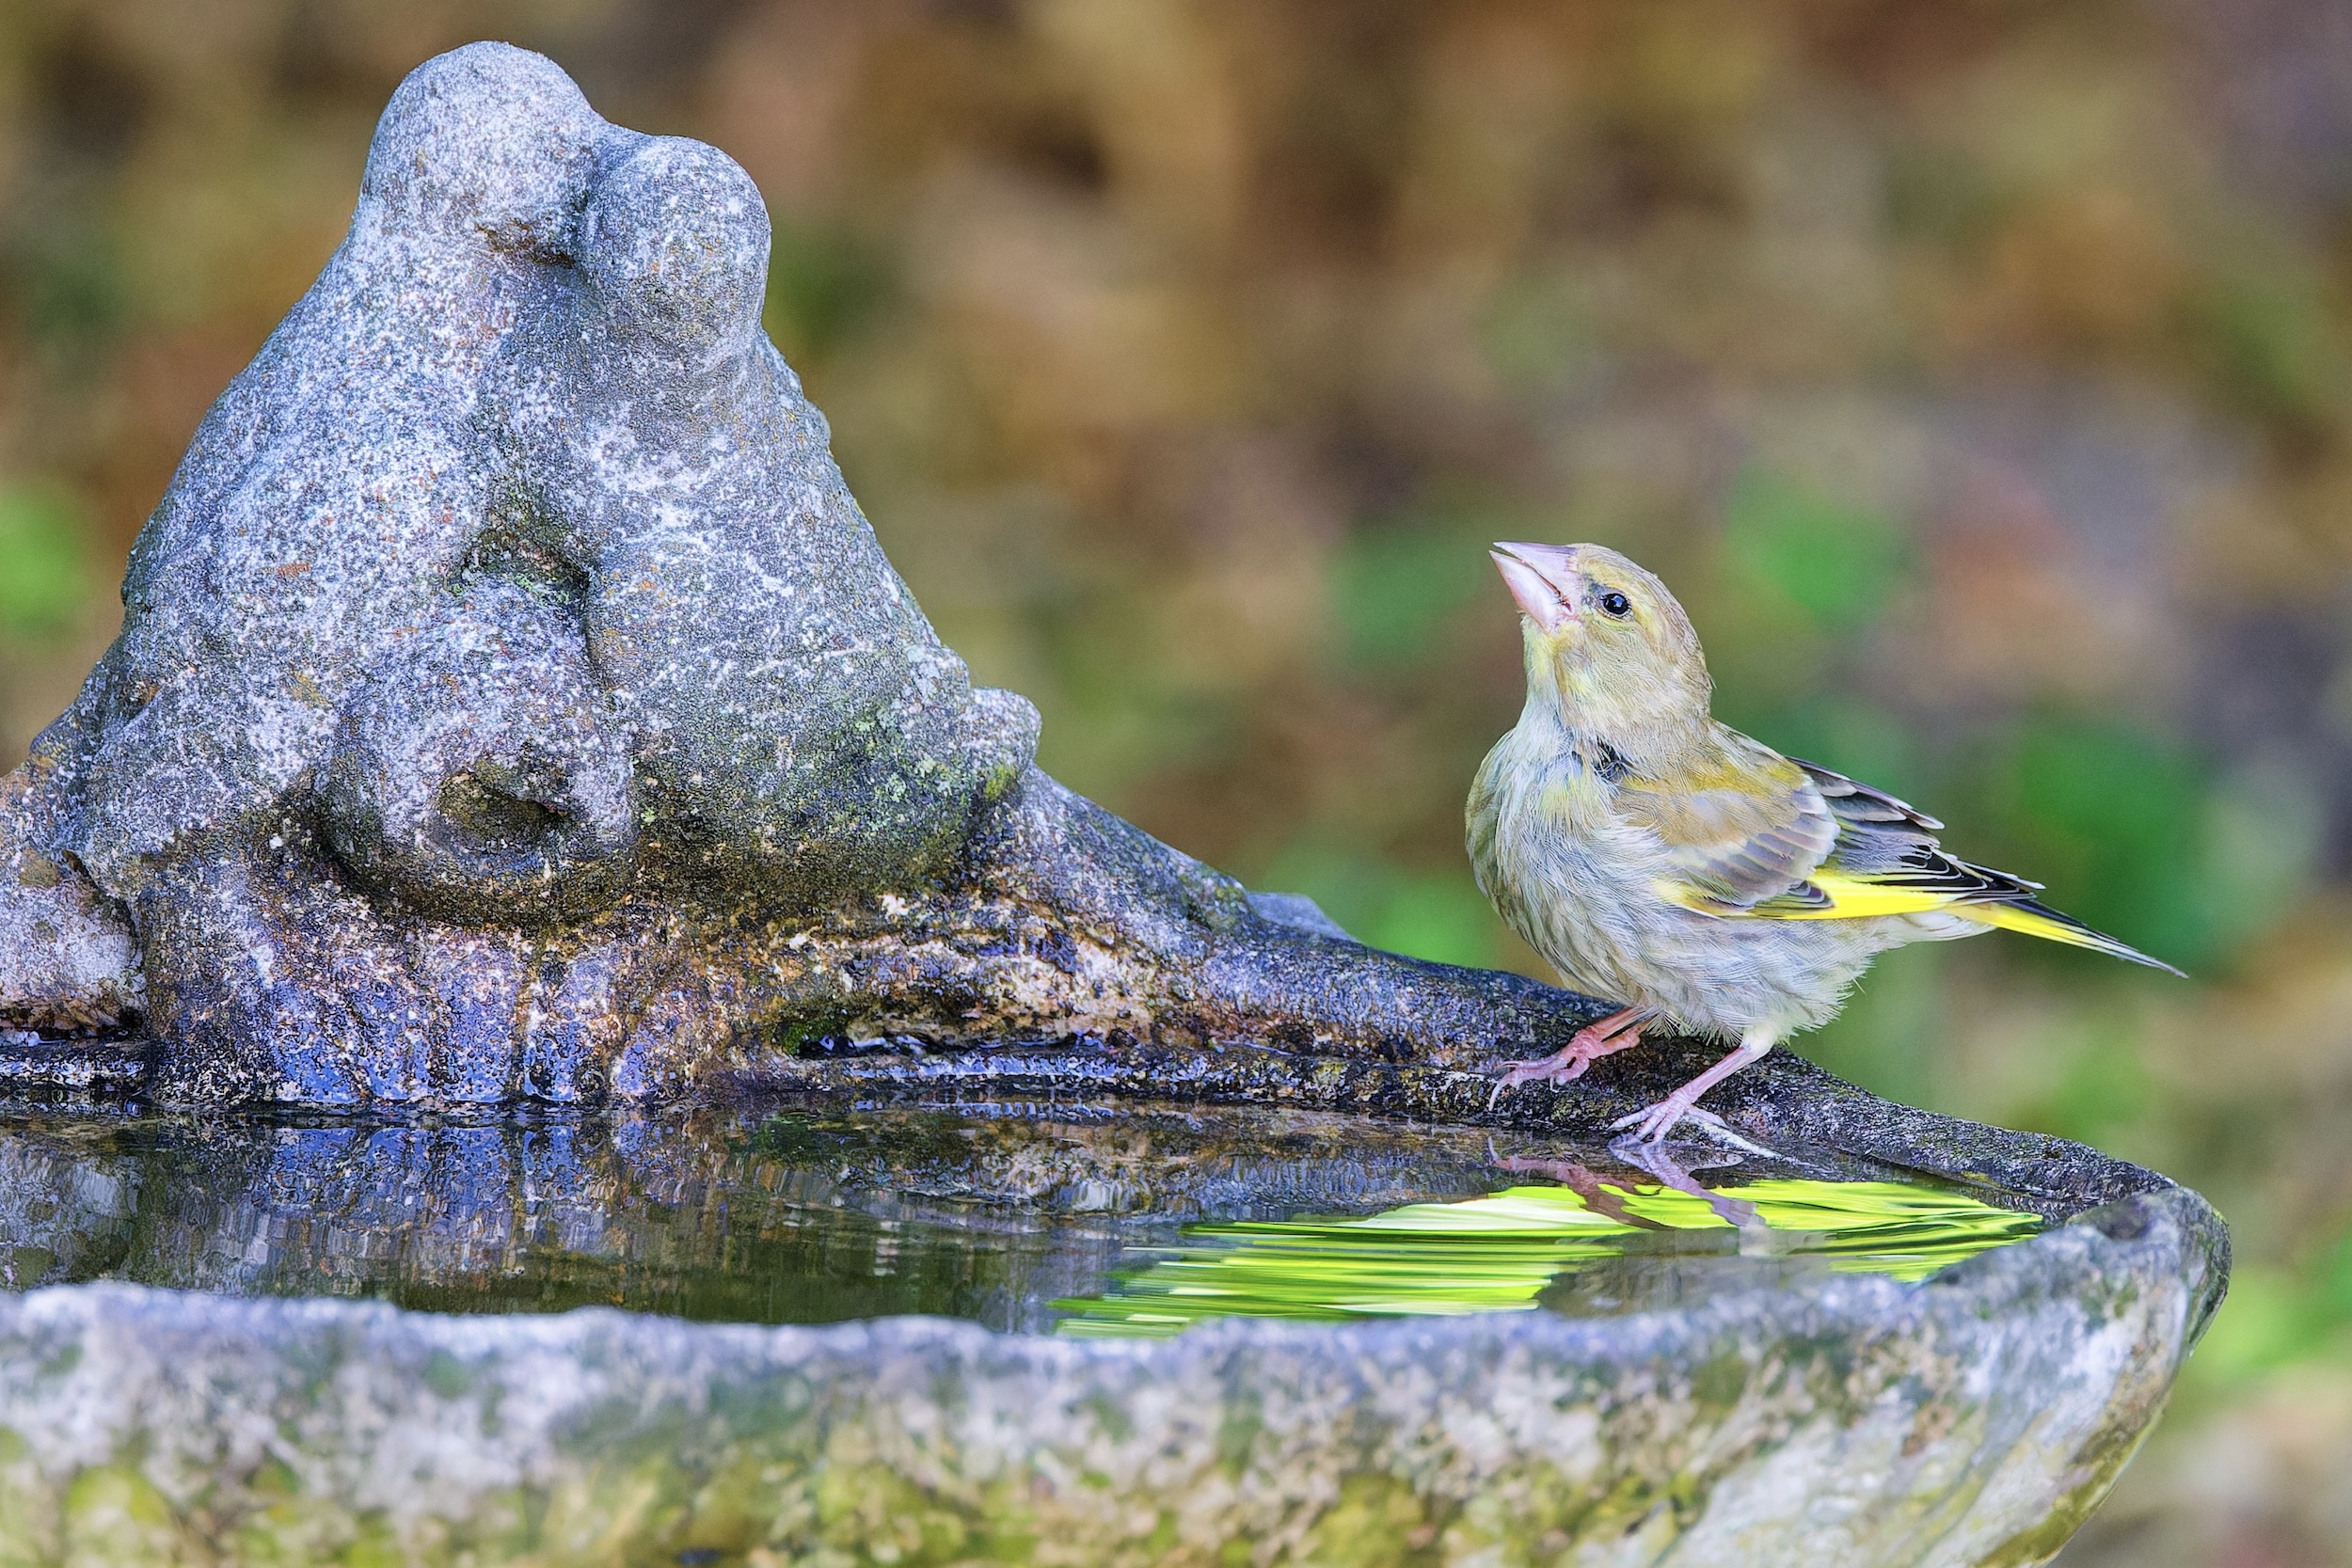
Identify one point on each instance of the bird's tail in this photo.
(2040, 920)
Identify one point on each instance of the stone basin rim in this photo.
(2029, 1371)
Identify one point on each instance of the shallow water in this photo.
(1119, 1219)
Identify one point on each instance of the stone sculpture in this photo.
(513, 704)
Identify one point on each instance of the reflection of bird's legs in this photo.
(1588, 1045)
(1673, 1173)
(1584, 1183)
(1653, 1123)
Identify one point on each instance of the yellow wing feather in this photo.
(1835, 898)
(1851, 897)
(1859, 898)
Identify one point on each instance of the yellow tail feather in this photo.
(2035, 921)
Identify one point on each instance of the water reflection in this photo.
(810, 1215)
(1502, 1252)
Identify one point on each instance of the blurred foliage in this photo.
(1394, 588)
(2109, 813)
(1837, 563)
(1980, 374)
(1433, 915)
(44, 567)
(823, 286)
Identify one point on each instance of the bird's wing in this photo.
(1886, 862)
(1859, 803)
(1755, 835)
(1746, 829)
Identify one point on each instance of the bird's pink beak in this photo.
(1542, 578)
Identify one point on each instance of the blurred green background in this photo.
(1980, 372)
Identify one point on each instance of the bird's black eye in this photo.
(1616, 603)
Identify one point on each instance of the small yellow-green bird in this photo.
(1662, 860)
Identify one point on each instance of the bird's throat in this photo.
(1636, 703)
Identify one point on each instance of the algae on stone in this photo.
(1866, 1423)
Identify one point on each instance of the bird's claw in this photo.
(1598, 1038)
(1559, 1068)
(1650, 1125)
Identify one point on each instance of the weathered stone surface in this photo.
(1971, 1421)
(1749, 1414)
(512, 581)
(481, 776)
(68, 966)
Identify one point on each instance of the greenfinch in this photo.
(1660, 858)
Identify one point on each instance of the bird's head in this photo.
(1606, 644)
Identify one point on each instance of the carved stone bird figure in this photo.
(1662, 860)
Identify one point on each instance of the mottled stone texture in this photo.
(1867, 1424)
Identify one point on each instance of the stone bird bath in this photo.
(515, 715)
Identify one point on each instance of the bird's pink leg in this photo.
(1588, 1045)
(1653, 1123)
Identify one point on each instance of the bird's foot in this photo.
(1596, 1039)
(1650, 1125)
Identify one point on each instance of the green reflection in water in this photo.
(1497, 1254)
